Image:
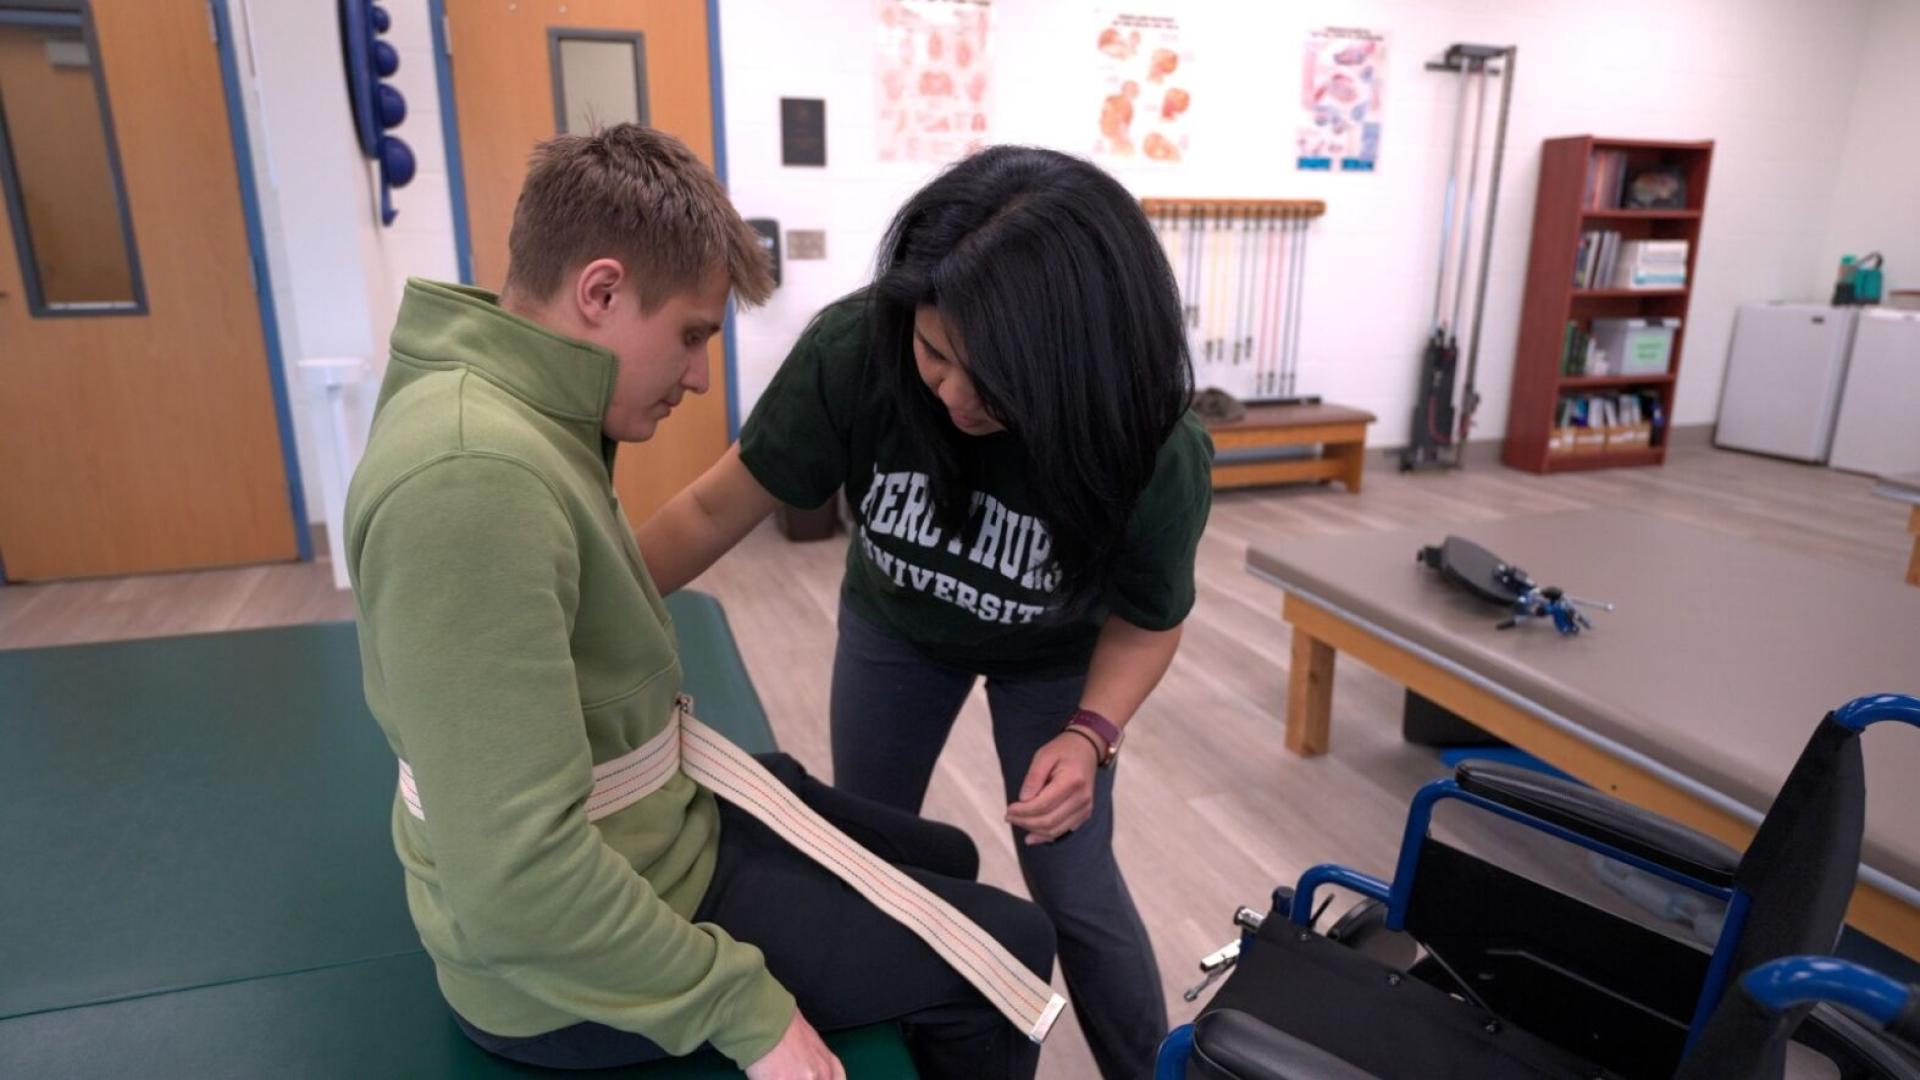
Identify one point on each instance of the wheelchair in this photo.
(1656, 952)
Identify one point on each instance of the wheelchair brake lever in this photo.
(1217, 965)
(1213, 967)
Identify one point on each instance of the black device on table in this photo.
(1467, 565)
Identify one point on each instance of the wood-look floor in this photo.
(1213, 811)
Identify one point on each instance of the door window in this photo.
(61, 170)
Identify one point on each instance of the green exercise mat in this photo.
(191, 810)
(199, 875)
(372, 1019)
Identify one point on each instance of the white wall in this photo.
(337, 273)
(1767, 79)
(1876, 201)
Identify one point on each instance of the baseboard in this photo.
(1689, 436)
(1480, 453)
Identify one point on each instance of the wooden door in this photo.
(503, 55)
(138, 429)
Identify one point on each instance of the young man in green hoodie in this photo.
(518, 657)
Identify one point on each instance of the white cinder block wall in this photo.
(1811, 103)
(337, 274)
(1876, 194)
(1777, 83)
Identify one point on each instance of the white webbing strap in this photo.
(715, 763)
(732, 774)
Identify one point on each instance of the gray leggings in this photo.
(892, 710)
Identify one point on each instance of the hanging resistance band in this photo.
(1299, 276)
(1240, 266)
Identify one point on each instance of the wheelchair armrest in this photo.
(1602, 817)
(1231, 1045)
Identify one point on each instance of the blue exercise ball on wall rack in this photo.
(386, 59)
(396, 161)
(393, 107)
(377, 107)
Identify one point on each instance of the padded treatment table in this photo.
(199, 877)
(1905, 488)
(1693, 699)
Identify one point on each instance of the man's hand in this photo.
(1057, 795)
(799, 1055)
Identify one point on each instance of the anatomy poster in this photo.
(936, 87)
(1340, 98)
(1145, 71)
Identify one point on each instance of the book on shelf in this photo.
(1579, 354)
(1594, 264)
(1649, 264)
(1606, 178)
(1592, 423)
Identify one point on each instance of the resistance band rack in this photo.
(1241, 268)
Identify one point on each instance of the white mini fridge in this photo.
(1879, 426)
(1785, 371)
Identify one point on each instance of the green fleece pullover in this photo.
(512, 639)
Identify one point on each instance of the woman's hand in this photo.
(799, 1055)
(1057, 795)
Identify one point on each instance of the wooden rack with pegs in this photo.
(1241, 268)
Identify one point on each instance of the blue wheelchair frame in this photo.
(1786, 982)
(1800, 980)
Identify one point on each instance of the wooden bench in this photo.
(1258, 449)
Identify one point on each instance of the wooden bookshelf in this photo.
(1612, 382)
(1607, 459)
(1560, 216)
(1640, 215)
(1625, 294)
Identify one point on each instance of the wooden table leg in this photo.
(1352, 457)
(1913, 564)
(1309, 695)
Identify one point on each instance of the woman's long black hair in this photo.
(1051, 280)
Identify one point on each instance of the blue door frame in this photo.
(457, 177)
(263, 280)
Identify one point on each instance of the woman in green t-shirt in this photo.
(1006, 410)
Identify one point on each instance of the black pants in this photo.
(892, 711)
(846, 963)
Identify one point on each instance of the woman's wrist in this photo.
(1104, 734)
(1099, 750)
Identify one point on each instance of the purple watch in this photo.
(1105, 734)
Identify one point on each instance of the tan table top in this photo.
(1722, 656)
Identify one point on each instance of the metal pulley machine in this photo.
(1439, 434)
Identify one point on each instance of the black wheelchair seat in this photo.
(1228, 1045)
(1370, 1019)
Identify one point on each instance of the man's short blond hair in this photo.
(637, 195)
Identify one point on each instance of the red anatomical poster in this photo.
(935, 88)
(1145, 78)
